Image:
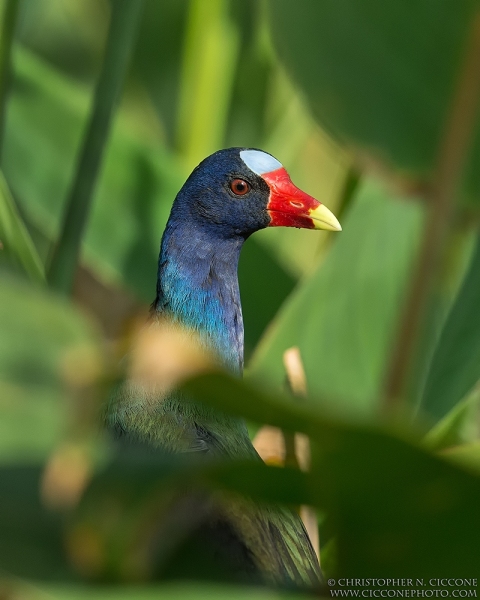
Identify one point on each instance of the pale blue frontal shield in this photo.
(260, 162)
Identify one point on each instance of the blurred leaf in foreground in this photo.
(50, 363)
(48, 353)
(395, 507)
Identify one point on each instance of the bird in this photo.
(229, 196)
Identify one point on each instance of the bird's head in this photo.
(239, 191)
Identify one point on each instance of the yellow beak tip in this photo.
(323, 218)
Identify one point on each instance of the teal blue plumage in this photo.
(197, 287)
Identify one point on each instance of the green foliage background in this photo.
(373, 108)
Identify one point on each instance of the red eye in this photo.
(239, 187)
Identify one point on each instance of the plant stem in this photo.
(121, 35)
(297, 446)
(296, 383)
(208, 70)
(7, 32)
(451, 159)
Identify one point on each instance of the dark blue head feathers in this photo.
(207, 197)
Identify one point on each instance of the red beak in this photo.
(288, 206)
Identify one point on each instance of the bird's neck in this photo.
(198, 286)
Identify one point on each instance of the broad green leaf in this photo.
(379, 75)
(136, 189)
(343, 316)
(394, 507)
(48, 351)
(455, 366)
(15, 240)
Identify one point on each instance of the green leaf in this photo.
(343, 317)
(138, 183)
(394, 507)
(379, 76)
(14, 237)
(455, 366)
(231, 395)
(48, 352)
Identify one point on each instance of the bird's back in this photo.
(243, 540)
